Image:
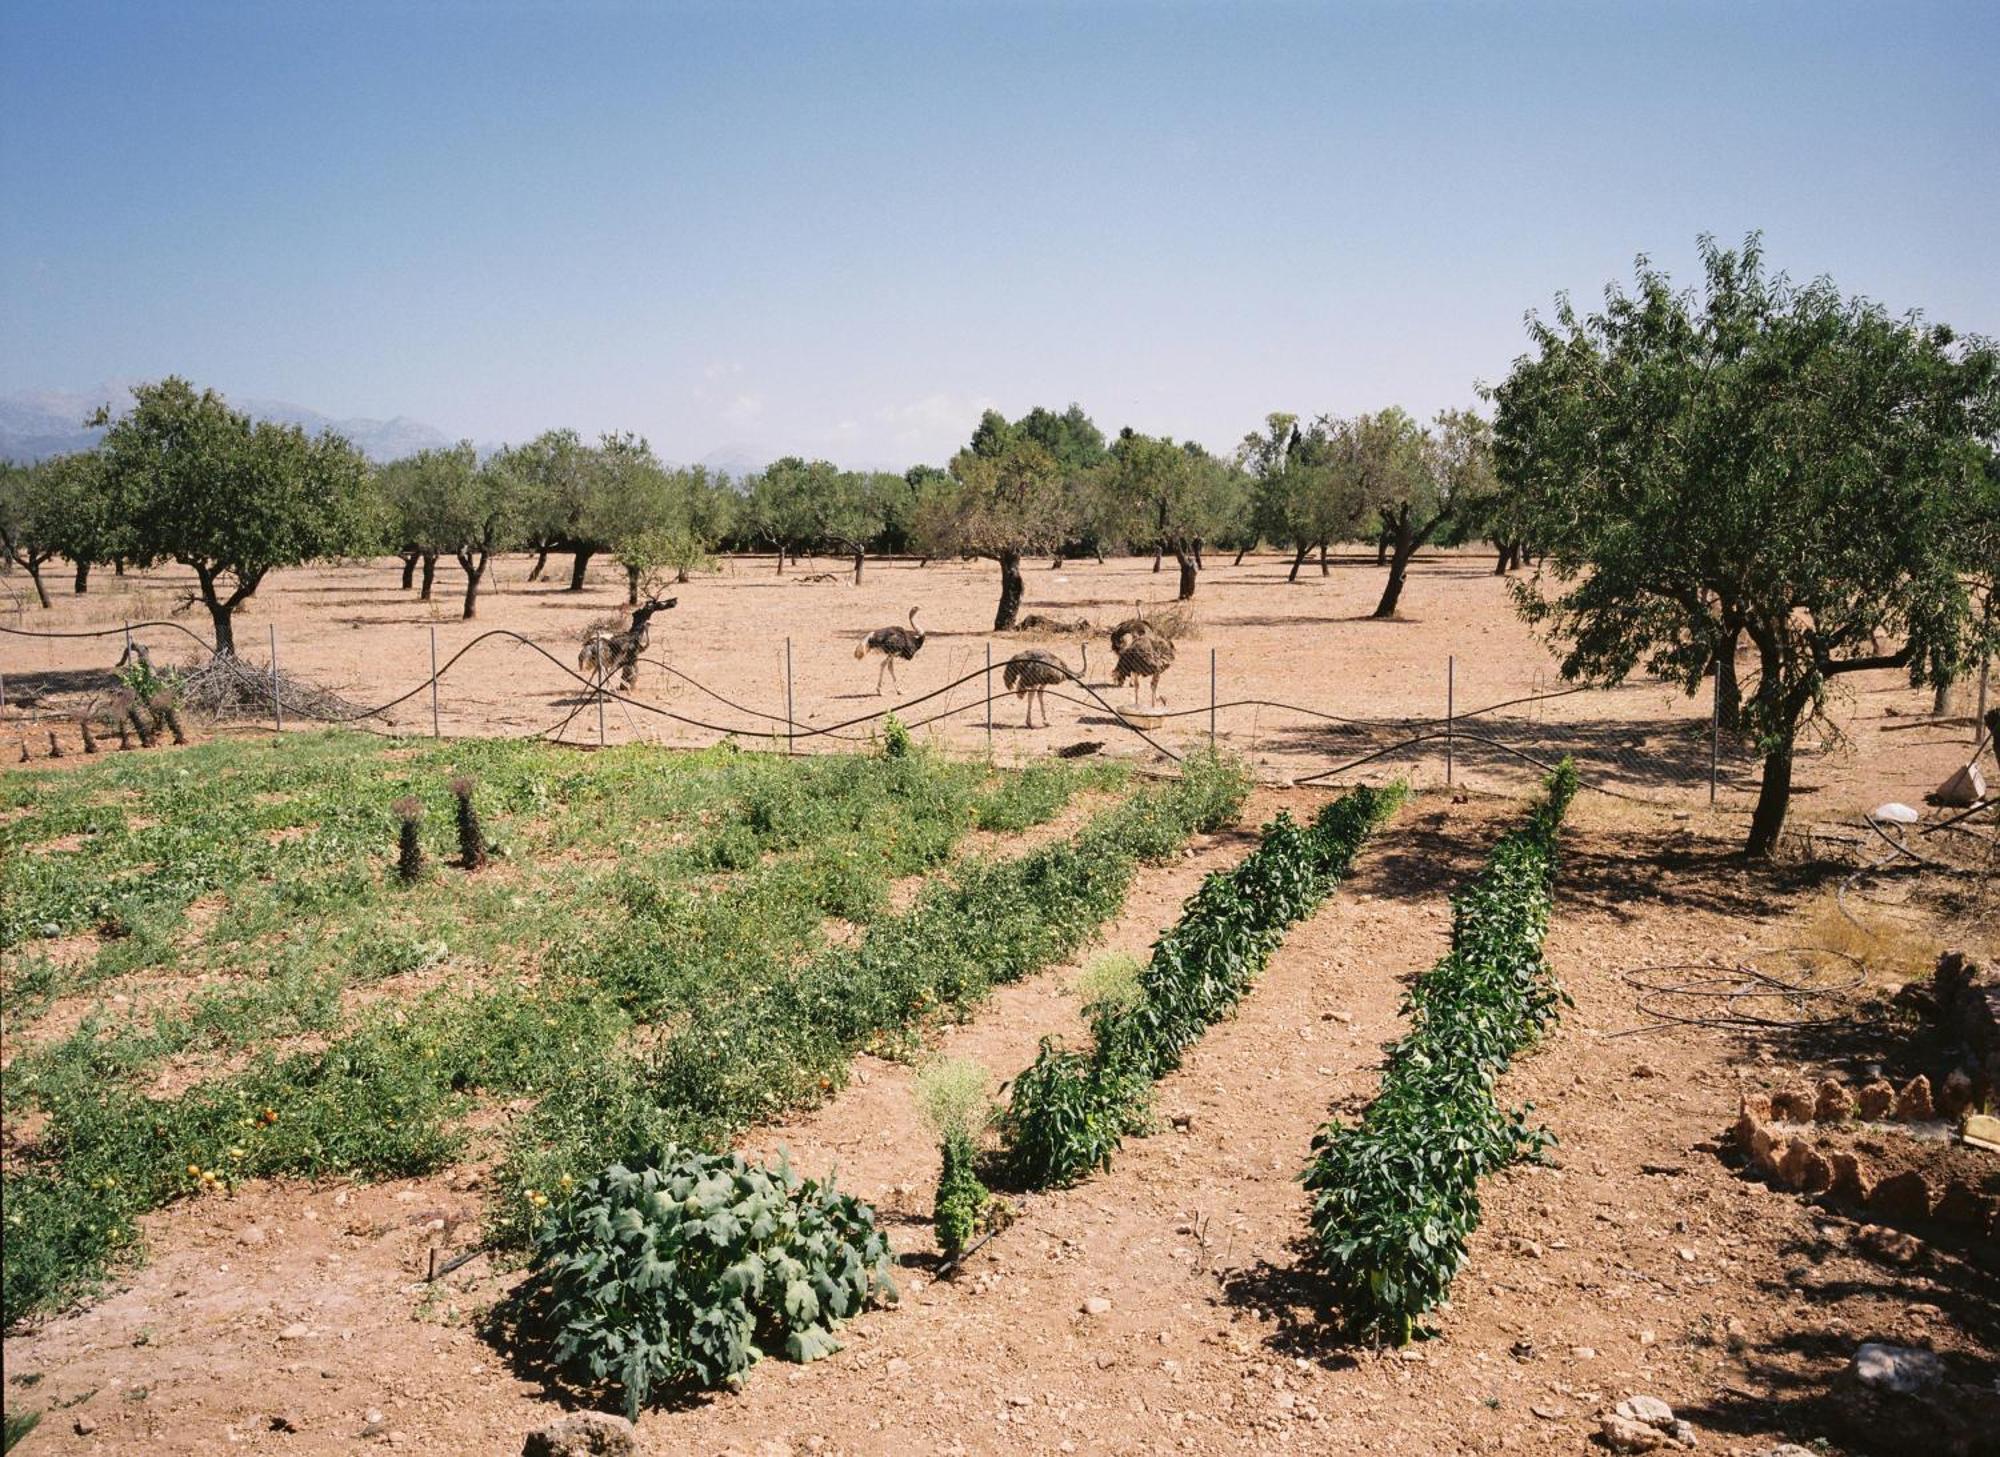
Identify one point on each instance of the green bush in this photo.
(1069, 1110)
(680, 1276)
(1395, 1196)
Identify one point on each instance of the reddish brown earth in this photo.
(1638, 1260)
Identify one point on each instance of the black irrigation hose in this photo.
(1731, 984)
(129, 627)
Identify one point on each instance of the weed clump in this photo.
(409, 848)
(896, 742)
(471, 839)
(952, 1100)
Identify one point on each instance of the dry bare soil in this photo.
(1638, 1259)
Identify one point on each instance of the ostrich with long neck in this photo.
(892, 643)
(1033, 671)
(604, 651)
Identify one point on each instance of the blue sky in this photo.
(841, 230)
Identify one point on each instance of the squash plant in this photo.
(681, 1276)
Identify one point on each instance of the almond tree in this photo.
(1765, 458)
(1173, 497)
(191, 480)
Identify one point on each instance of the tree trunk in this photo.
(577, 568)
(82, 578)
(1197, 555)
(1399, 566)
(1940, 700)
(1189, 566)
(631, 586)
(221, 615)
(474, 570)
(781, 559)
(1011, 589)
(857, 568)
(1774, 797)
(35, 576)
(118, 566)
(1323, 571)
(1510, 557)
(1239, 556)
(541, 564)
(1297, 562)
(409, 568)
(430, 574)
(1157, 552)
(1382, 539)
(1728, 694)
(680, 574)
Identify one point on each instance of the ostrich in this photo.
(603, 651)
(1031, 672)
(1142, 653)
(892, 643)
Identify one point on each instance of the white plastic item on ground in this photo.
(1963, 790)
(1894, 814)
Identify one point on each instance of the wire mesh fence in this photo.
(1644, 740)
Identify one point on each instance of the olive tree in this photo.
(1173, 497)
(555, 476)
(779, 504)
(1765, 458)
(1007, 497)
(1298, 499)
(29, 524)
(447, 502)
(193, 481)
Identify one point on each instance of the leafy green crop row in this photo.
(782, 1035)
(1395, 1196)
(1070, 1110)
(567, 965)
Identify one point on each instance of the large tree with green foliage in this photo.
(1298, 499)
(1007, 497)
(448, 503)
(29, 526)
(1766, 458)
(557, 474)
(193, 481)
(1171, 496)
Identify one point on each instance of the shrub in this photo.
(896, 742)
(951, 1096)
(680, 1276)
(1395, 1196)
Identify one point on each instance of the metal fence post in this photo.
(1714, 736)
(600, 710)
(989, 701)
(277, 699)
(435, 732)
(791, 723)
(1450, 711)
(1211, 700)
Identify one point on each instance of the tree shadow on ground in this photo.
(26, 689)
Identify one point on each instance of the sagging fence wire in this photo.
(1417, 732)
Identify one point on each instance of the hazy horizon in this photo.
(843, 232)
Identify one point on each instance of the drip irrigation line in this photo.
(119, 631)
(1730, 985)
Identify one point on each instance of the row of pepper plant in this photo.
(1395, 1195)
(1070, 1110)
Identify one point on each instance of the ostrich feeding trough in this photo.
(1143, 720)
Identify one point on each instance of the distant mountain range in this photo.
(39, 423)
(35, 424)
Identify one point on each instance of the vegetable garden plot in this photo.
(565, 959)
(1395, 1196)
(1070, 1110)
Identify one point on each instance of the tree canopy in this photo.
(196, 482)
(1765, 459)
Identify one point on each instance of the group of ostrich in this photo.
(1140, 649)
